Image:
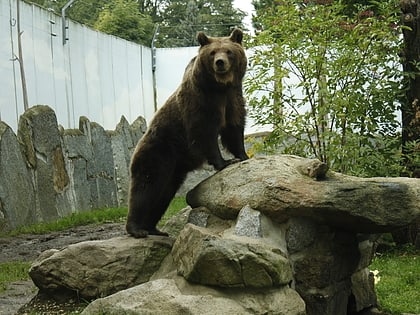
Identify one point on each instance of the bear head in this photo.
(223, 57)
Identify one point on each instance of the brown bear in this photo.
(184, 132)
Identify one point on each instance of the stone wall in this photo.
(47, 172)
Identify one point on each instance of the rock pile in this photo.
(272, 235)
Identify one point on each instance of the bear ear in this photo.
(203, 39)
(236, 36)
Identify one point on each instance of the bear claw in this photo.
(138, 233)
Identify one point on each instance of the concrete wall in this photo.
(48, 172)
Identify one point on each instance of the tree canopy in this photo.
(122, 18)
(181, 20)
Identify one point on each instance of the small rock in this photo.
(248, 223)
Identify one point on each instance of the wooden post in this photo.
(20, 59)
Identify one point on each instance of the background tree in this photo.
(122, 18)
(182, 34)
(85, 12)
(333, 86)
(410, 108)
(153, 8)
(181, 20)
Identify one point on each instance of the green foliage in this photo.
(411, 156)
(329, 84)
(122, 18)
(13, 271)
(85, 12)
(398, 289)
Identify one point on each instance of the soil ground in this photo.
(22, 297)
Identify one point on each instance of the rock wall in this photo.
(47, 172)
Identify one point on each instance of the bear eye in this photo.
(213, 52)
(229, 53)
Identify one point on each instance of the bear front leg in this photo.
(214, 157)
(203, 142)
(233, 139)
(217, 161)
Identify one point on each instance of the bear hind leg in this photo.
(149, 201)
(138, 213)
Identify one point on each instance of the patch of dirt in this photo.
(22, 297)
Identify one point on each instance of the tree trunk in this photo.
(411, 65)
(411, 106)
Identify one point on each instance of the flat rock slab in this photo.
(285, 186)
(165, 296)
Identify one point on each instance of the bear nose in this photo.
(220, 63)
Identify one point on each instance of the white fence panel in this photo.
(170, 66)
(93, 74)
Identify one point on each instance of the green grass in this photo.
(90, 217)
(398, 289)
(176, 204)
(13, 271)
(75, 219)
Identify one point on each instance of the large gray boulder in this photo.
(40, 138)
(77, 152)
(99, 268)
(284, 186)
(123, 141)
(100, 169)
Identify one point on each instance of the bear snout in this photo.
(220, 63)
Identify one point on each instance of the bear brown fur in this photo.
(184, 132)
